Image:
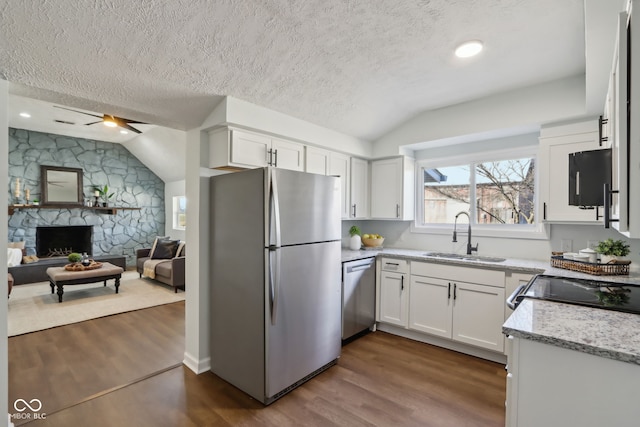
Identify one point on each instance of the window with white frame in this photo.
(179, 213)
(496, 191)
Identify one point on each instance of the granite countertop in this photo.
(510, 264)
(603, 333)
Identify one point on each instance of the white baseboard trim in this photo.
(196, 365)
(445, 343)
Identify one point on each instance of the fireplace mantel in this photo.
(109, 210)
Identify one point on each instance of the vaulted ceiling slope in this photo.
(358, 67)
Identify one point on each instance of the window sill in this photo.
(536, 232)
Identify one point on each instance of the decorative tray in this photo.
(617, 268)
(79, 267)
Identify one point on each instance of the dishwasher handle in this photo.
(359, 267)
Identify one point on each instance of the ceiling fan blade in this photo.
(93, 123)
(133, 121)
(76, 111)
(131, 128)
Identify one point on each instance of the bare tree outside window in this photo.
(503, 192)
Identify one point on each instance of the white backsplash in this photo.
(398, 234)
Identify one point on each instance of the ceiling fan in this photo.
(108, 120)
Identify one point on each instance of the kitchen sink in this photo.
(464, 257)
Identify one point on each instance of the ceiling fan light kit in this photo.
(109, 120)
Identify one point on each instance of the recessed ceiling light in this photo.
(468, 49)
(25, 114)
(124, 132)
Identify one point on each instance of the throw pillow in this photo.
(180, 252)
(155, 243)
(18, 245)
(165, 249)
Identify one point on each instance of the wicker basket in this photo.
(619, 268)
(79, 267)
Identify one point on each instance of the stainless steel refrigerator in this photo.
(275, 279)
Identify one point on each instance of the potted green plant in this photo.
(355, 243)
(74, 257)
(103, 192)
(611, 250)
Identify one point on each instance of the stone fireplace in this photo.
(54, 241)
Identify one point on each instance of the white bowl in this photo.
(569, 255)
(579, 257)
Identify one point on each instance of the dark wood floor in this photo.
(380, 380)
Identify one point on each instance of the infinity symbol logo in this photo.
(24, 405)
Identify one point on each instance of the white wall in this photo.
(253, 116)
(518, 111)
(4, 176)
(196, 355)
(162, 150)
(171, 190)
(398, 234)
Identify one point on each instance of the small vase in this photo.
(355, 243)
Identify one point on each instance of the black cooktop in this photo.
(592, 293)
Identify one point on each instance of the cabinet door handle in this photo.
(402, 283)
(602, 121)
(608, 193)
(354, 211)
(269, 153)
(454, 292)
(449, 291)
(397, 210)
(275, 157)
(544, 210)
(391, 263)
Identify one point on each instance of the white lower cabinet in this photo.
(393, 292)
(442, 301)
(431, 306)
(394, 295)
(556, 387)
(478, 312)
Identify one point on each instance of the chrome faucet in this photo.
(470, 248)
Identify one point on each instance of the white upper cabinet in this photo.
(392, 188)
(287, 154)
(359, 189)
(340, 165)
(233, 149)
(556, 144)
(326, 162)
(317, 160)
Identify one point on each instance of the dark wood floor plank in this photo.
(380, 380)
(63, 365)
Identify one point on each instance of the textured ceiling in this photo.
(359, 67)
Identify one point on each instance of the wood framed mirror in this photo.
(61, 186)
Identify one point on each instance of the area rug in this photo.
(33, 307)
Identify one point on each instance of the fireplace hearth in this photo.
(52, 241)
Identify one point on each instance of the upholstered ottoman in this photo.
(10, 283)
(59, 277)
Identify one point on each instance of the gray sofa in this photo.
(170, 273)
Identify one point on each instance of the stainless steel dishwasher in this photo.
(358, 296)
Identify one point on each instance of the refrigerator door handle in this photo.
(274, 249)
(275, 209)
(274, 282)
